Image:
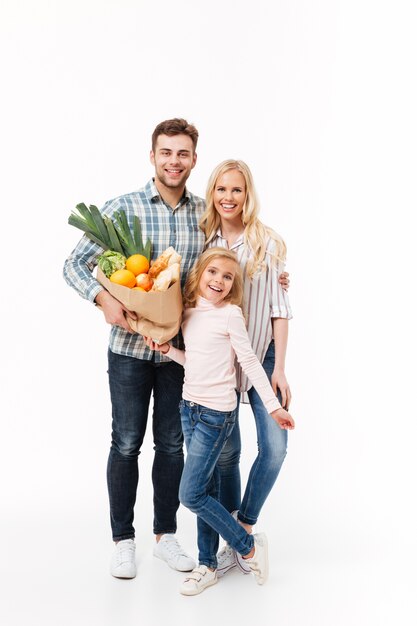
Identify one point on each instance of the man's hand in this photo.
(115, 312)
(284, 280)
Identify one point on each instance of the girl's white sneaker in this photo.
(199, 579)
(258, 563)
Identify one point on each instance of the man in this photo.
(169, 216)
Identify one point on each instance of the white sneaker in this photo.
(226, 560)
(123, 563)
(200, 578)
(168, 549)
(258, 563)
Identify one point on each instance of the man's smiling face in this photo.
(173, 158)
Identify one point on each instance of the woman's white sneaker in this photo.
(123, 563)
(199, 579)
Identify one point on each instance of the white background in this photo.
(319, 97)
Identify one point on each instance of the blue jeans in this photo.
(205, 432)
(131, 383)
(272, 449)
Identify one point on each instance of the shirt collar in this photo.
(239, 241)
(153, 194)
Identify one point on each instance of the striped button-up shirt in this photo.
(165, 227)
(263, 299)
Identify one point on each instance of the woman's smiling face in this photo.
(229, 196)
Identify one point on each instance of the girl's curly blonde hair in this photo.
(191, 292)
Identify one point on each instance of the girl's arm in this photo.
(165, 348)
(278, 379)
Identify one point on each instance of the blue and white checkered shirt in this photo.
(165, 227)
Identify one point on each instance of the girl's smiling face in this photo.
(217, 279)
(229, 196)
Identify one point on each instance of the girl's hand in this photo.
(158, 347)
(283, 419)
(279, 381)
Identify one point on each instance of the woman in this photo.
(231, 221)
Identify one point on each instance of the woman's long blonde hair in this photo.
(191, 292)
(255, 232)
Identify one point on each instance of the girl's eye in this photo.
(228, 277)
(221, 189)
(237, 190)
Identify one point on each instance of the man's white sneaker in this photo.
(258, 563)
(200, 578)
(123, 564)
(226, 560)
(168, 549)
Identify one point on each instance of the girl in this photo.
(231, 221)
(214, 333)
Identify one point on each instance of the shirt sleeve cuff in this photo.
(285, 314)
(93, 291)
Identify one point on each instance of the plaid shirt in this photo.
(165, 227)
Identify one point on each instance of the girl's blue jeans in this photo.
(272, 449)
(205, 433)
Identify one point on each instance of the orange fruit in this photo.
(137, 263)
(138, 289)
(144, 281)
(123, 277)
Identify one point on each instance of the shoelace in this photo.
(224, 555)
(125, 552)
(174, 548)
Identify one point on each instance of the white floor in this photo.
(55, 572)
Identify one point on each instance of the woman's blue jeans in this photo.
(272, 449)
(132, 382)
(205, 433)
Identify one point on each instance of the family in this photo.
(232, 348)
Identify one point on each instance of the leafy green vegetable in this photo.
(110, 261)
(111, 234)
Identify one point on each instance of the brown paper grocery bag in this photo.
(159, 312)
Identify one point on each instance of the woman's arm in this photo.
(278, 379)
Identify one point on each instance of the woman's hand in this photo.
(283, 419)
(158, 347)
(284, 280)
(279, 381)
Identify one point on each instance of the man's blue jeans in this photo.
(272, 449)
(205, 432)
(131, 383)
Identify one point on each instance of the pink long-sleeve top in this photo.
(213, 336)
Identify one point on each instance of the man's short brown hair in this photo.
(176, 126)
